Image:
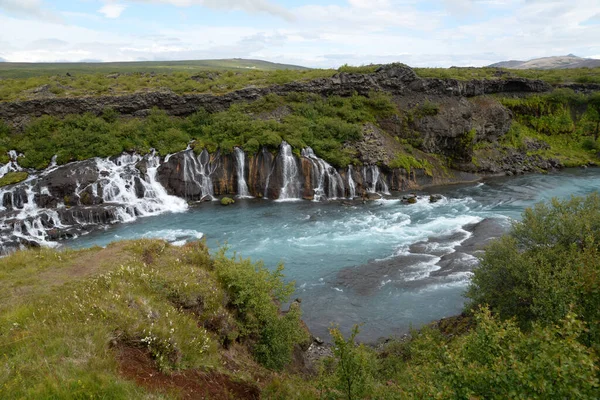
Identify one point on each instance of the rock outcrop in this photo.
(397, 79)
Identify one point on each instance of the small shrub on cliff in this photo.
(256, 292)
(427, 109)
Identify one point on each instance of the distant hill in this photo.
(557, 62)
(26, 70)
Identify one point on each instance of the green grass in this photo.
(180, 82)
(64, 315)
(27, 70)
(554, 76)
(13, 177)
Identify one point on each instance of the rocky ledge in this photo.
(397, 79)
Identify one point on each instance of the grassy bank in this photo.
(90, 323)
(182, 81)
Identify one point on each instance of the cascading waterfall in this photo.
(351, 184)
(12, 165)
(199, 167)
(291, 183)
(372, 172)
(240, 158)
(329, 183)
(121, 194)
(64, 201)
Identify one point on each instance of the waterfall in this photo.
(197, 171)
(11, 166)
(120, 194)
(240, 158)
(291, 183)
(329, 183)
(122, 185)
(351, 184)
(372, 171)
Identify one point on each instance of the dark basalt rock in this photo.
(65, 180)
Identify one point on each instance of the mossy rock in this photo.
(13, 177)
(225, 201)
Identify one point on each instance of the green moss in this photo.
(13, 177)
(408, 162)
(225, 201)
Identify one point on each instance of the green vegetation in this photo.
(300, 119)
(552, 76)
(65, 318)
(70, 320)
(561, 125)
(546, 267)
(427, 109)
(27, 70)
(13, 177)
(363, 69)
(409, 162)
(180, 82)
(225, 201)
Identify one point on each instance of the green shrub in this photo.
(349, 372)
(548, 263)
(498, 361)
(427, 109)
(256, 292)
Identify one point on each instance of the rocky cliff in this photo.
(397, 79)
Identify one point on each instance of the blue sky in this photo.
(306, 32)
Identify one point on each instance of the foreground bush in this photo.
(546, 266)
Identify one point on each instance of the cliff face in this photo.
(398, 80)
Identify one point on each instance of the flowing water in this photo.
(291, 183)
(383, 263)
(240, 159)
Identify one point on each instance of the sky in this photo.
(312, 33)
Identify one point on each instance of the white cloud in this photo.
(112, 10)
(30, 9)
(252, 6)
(320, 35)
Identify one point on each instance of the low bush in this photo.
(546, 266)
